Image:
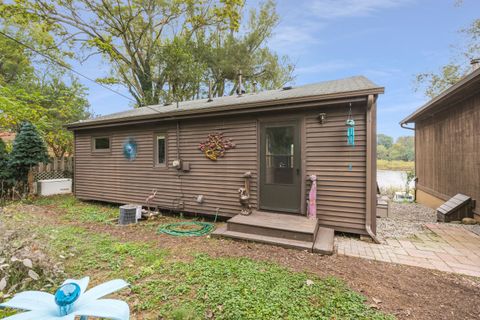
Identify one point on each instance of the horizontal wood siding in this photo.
(341, 196)
(448, 150)
(341, 199)
(110, 177)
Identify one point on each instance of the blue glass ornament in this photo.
(351, 132)
(130, 149)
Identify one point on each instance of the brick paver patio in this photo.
(442, 247)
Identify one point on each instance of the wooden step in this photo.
(282, 242)
(324, 241)
(277, 225)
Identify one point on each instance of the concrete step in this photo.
(282, 242)
(277, 225)
(324, 243)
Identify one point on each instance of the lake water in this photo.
(391, 178)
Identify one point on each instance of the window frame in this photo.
(156, 136)
(101, 151)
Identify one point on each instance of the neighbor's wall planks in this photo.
(448, 151)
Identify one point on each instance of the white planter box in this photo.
(54, 186)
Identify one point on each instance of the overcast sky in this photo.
(388, 41)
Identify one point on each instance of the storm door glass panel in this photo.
(279, 153)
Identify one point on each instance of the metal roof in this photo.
(348, 87)
(438, 101)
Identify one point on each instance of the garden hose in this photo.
(184, 229)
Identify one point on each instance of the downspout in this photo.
(371, 166)
(404, 126)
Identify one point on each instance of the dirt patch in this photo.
(407, 292)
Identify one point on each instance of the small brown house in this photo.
(280, 136)
(447, 144)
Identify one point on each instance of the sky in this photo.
(388, 41)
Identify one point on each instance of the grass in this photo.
(197, 287)
(77, 210)
(395, 165)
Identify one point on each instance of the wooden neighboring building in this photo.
(289, 117)
(447, 144)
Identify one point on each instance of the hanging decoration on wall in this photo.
(351, 128)
(312, 198)
(350, 132)
(215, 146)
(130, 149)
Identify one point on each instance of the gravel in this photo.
(406, 219)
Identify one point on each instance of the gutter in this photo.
(404, 126)
(370, 192)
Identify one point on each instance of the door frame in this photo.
(302, 139)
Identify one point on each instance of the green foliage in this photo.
(438, 82)
(3, 161)
(382, 152)
(28, 150)
(167, 287)
(38, 95)
(433, 83)
(4, 171)
(402, 149)
(169, 50)
(384, 140)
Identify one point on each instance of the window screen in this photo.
(102, 143)
(161, 150)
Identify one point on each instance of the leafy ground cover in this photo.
(170, 286)
(397, 165)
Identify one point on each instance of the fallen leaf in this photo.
(309, 282)
(32, 274)
(377, 301)
(3, 283)
(28, 263)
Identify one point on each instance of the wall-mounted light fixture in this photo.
(322, 118)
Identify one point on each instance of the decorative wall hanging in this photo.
(350, 132)
(215, 146)
(351, 128)
(312, 198)
(244, 195)
(130, 149)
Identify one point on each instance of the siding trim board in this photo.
(344, 199)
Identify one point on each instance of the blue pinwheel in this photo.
(69, 301)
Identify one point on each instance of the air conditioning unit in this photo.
(54, 186)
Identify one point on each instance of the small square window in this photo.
(161, 155)
(101, 144)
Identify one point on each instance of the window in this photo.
(161, 153)
(101, 144)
